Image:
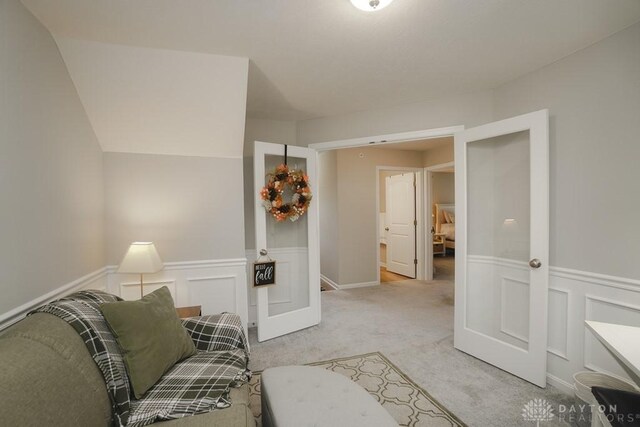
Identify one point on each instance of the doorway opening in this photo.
(441, 188)
(351, 226)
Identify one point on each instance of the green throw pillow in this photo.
(150, 335)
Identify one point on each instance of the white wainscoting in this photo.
(292, 269)
(94, 280)
(574, 296)
(216, 285)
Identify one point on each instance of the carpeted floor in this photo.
(407, 402)
(444, 267)
(411, 323)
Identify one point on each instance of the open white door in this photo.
(502, 244)
(293, 303)
(401, 220)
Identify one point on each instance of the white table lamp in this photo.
(141, 258)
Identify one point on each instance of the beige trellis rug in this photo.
(407, 402)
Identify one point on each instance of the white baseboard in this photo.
(329, 282)
(383, 264)
(359, 285)
(93, 280)
(560, 384)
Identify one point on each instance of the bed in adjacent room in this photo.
(446, 224)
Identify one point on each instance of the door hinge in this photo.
(415, 261)
(415, 222)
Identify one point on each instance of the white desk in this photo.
(623, 342)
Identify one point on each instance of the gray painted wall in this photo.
(51, 182)
(467, 109)
(439, 155)
(191, 207)
(357, 215)
(443, 187)
(594, 102)
(329, 231)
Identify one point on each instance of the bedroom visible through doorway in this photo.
(443, 212)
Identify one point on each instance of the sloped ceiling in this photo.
(142, 100)
(313, 58)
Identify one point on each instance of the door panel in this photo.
(501, 225)
(401, 215)
(293, 303)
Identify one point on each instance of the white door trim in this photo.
(392, 138)
(428, 219)
(419, 216)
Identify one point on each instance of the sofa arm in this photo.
(218, 332)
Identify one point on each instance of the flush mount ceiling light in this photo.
(371, 5)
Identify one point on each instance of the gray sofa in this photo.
(49, 378)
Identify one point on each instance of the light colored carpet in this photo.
(407, 402)
(444, 267)
(411, 323)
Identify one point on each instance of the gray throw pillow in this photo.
(150, 335)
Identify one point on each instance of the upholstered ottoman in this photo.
(300, 396)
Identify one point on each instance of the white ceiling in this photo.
(313, 58)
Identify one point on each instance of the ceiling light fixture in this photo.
(371, 5)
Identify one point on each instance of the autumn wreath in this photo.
(272, 193)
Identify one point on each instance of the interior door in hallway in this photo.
(502, 244)
(293, 302)
(401, 220)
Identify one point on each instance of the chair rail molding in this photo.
(94, 280)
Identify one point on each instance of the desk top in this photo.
(621, 340)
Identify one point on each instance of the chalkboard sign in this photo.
(264, 273)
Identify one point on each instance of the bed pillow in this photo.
(445, 215)
(452, 218)
(150, 336)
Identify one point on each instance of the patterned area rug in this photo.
(408, 403)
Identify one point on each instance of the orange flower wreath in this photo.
(271, 194)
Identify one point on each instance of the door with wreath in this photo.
(286, 225)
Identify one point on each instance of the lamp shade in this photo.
(142, 257)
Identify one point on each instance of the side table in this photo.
(192, 311)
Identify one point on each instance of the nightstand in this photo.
(193, 311)
(438, 244)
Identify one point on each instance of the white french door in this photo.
(401, 220)
(502, 244)
(293, 303)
